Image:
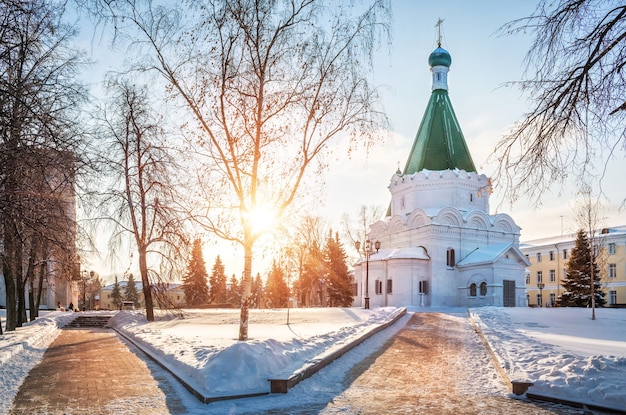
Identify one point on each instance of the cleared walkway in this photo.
(431, 366)
(91, 371)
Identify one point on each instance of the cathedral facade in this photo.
(438, 244)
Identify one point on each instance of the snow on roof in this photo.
(418, 252)
(490, 254)
(570, 237)
(139, 285)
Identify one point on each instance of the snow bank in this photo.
(200, 347)
(561, 350)
(23, 349)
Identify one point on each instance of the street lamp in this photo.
(84, 275)
(541, 286)
(367, 251)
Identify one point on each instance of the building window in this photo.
(355, 290)
(389, 286)
(552, 275)
(539, 276)
(539, 300)
(472, 290)
(450, 260)
(527, 279)
(612, 297)
(423, 287)
(379, 287)
(612, 270)
(551, 255)
(483, 288)
(565, 254)
(552, 302)
(538, 256)
(612, 248)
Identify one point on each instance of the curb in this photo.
(285, 384)
(282, 385)
(520, 387)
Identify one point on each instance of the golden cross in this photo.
(438, 26)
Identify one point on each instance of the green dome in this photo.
(440, 57)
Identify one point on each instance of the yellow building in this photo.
(164, 295)
(548, 259)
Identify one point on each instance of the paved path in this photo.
(91, 371)
(431, 366)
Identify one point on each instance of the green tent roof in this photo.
(439, 143)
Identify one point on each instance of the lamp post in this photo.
(541, 286)
(367, 251)
(84, 278)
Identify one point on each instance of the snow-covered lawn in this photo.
(562, 351)
(202, 349)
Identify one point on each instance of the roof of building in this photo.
(418, 252)
(440, 57)
(491, 254)
(439, 143)
(570, 238)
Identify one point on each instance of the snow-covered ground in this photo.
(562, 351)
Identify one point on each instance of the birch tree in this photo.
(267, 86)
(575, 82)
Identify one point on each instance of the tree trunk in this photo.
(245, 293)
(145, 282)
(9, 271)
(31, 300)
(42, 275)
(28, 281)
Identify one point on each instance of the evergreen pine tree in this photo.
(130, 292)
(195, 279)
(234, 291)
(116, 295)
(217, 281)
(256, 294)
(308, 285)
(276, 289)
(577, 282)
(339, 285)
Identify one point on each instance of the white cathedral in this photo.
(438, 244)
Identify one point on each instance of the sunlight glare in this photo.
(262, 219)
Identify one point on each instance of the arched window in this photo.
(450, 261)
(483, 288)
(472, 290)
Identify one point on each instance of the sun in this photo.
(262, 219)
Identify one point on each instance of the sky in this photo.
(561, 350)
(482, 61)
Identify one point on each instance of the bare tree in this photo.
(143, 201)
(357, 229)
(303, 255)
(40, 105)
(575, 81)
(269, 85)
